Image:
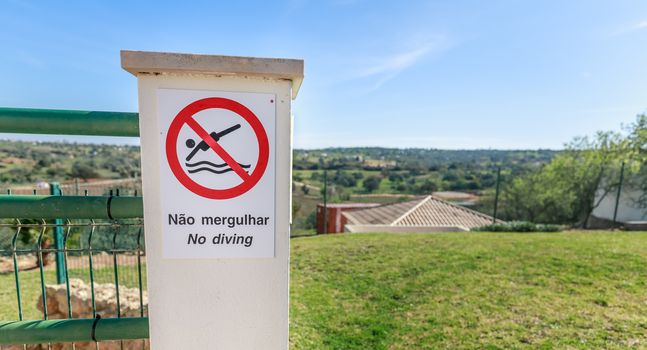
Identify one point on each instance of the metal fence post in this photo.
(496, 195)
(615, 210)
(325, 202)
(59, 238)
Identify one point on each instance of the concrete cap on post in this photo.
(145, 62)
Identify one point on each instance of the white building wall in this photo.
(628, 209)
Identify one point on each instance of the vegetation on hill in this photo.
(411, 171)
(568, 188)
(350, 170)
(31, 162)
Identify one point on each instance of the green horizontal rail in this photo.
(72, 330)
(66, 122)
(70, 207)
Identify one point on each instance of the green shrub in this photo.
(491, 228)
(548, 228)
(522, 226)
(518, 226)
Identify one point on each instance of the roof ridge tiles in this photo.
(423, 201)
(428, 211)
(468, 210)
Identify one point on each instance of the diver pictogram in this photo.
(207, 153)
(205, 165)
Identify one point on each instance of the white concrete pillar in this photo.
(229, 292)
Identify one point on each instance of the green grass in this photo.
(580, 290)
(30, 292)
(469, 290)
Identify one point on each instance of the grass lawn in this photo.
(469, 290)
(578, 290)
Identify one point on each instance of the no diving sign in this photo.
(209, 141)
(217, 173)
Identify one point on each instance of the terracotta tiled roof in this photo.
(381, 215)
(350, 205)
(428, 211)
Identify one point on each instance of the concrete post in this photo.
(207, 296)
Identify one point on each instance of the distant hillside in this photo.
(24, 162)
(353, 174)
(412, 171)
(407, 158)
(351, 170)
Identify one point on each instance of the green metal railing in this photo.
(65, 122)
(76, 330)
(70, 207)
(95, 239)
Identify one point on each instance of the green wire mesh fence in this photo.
(103, 275)
(74, 269)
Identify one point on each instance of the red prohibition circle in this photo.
(185, 116)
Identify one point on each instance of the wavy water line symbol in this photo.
(212, 167)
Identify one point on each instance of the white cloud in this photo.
(397, 62)
(389, 67)
(630, 28)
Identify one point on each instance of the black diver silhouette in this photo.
(203, 146)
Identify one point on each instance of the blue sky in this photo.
(441, 74)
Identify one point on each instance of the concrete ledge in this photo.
(145, 62)
(635, 225)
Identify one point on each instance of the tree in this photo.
(428, 186)
(371, 183)
(636, 158)
(56, 172)
(344, 179)
(571, 186)
(532, 198)
(83, 170)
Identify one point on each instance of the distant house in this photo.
(423, 214)
(630, 213)
(332, 215)
(379, 163)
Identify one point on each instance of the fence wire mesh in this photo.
(77, 187)
(103, 273)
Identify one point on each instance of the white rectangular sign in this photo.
(217, 173)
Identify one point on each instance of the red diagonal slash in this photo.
(204, 135)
